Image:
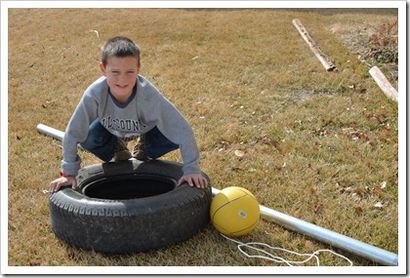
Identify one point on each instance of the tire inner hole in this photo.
(128, 187)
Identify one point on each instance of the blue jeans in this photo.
(102, 143)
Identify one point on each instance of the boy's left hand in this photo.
(194, 179)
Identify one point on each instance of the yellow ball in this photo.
(234, 211)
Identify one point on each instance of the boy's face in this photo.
(121, 73)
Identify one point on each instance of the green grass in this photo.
(317, 145)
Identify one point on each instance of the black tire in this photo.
(129, 207)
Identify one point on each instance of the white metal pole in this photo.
(49, 131)
(351, 245)
(52, 132)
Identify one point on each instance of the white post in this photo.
(383, 83)
(327, 64)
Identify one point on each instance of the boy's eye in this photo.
(117, 72)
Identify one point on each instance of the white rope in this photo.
(278, 259)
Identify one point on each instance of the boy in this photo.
(121, 106)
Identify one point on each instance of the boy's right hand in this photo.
(57, 184)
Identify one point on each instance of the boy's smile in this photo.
(121, 73)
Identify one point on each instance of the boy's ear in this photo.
(102, 69)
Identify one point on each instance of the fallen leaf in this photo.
(355, 134)
(34, 263)
(313, 191)
(345, 189)
(96, 32)
(318, 207)
(359, 191)
(384, 134)
(379, 205)
(378, 192)
(374, 118)
(359, 210)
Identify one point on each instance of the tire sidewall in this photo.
(118, 226)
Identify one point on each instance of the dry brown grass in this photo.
(317, 145)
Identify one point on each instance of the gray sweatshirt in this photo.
(144, 110)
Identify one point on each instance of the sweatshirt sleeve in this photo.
(175, 127)
(76, 132)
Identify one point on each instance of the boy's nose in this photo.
(122, 80)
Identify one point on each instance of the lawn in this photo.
(320, 146)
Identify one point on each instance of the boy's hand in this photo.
(194, 179)
(56, 184)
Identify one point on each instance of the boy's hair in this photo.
(119, 47)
